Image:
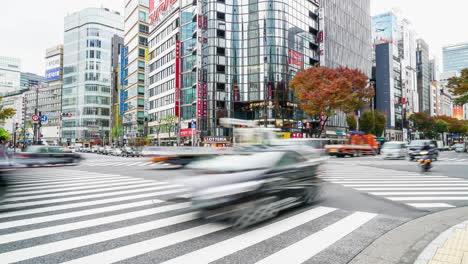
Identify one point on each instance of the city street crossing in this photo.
(57, 215)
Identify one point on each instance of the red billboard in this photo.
(157, 7)
(187, 132)
(295, 58)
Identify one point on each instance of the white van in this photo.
(394, 150)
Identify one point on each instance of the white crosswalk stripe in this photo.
(118, 163)
(413, 189)
(48, 234)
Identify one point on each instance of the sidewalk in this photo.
(437, 238)
(451, 247)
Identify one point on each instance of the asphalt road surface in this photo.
(113, 209)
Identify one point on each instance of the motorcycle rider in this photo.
(427, 147)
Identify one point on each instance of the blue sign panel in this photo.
(44, 118)
(52, 75)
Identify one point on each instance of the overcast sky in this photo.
(28, 27)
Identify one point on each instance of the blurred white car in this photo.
(394, 150)
(460, 147)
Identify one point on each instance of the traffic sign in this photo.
(44, 118)
(35, 118)
(27, 134)
(299, 124)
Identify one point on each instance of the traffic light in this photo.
(67, 114)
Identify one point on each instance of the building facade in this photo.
(424, 76)
(347, 32)
(10, 75)
(218, 59)
(87, 73)
(455, 57)
(136, 45)
(395, 72)
(54, 65)
(30, 79)
(118, 102)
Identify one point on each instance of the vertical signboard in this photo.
(177, 78)
(321, 36)
(458, 112)
(295, 58)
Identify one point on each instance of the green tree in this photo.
(6, 113)
(440, 126)
(4, 135)
(459, 87)
(372, 122)
(324, 90)
(168, 123)
(423, 123)
(352, 123)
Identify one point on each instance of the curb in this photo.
(404, 244)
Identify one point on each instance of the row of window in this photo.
(163, 101)
(166, 86)
(96, 88)
(96, 111)
(166, 45)
(160, 114)
(163, 60)
(162, 74)
(93, 54)
(164, 33)
(93, 43)
(97, 100)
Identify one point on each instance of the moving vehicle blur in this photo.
(358, 144)
(415, 147)
(460, 147)
(425, 162)
(46, 155)
(394, 150)
(249, 188)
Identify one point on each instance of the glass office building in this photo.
(10, 75)
(87, 73)
(424, 76)
(229, 59)
(455, 57)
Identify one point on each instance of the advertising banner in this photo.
(295, 58)
(177, 79)
(458, 112)
(384, 28)
(158, 7)
(53, 67)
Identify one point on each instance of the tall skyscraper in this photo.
(455, 57)
(87, 73)
(30, 79)
(136, 43)
(424, 76)
(10, 75)
(395, 71)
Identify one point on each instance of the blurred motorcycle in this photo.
(425, 163)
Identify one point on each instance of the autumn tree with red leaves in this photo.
(328, 91)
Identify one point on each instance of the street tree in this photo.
(326, 91)
(423, 123)
(6, 113)
(455, 126)
(168, 123)
(4, 135)
(440, 126)
(352, 123)
(372, 122)
(459, 87)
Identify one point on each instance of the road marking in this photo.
(414, 189)
(8, 238)
(382, 177)
(136, 249)
(84, 204)
(78, 198)
(60, 180)
(232, 245)
(312, 245)
(415, 181)
(394, 179)
(133, 163)
(418, 193)
(430, 205)
(426, 198)
(65, 183)
(73, 184)
(90, 186)
(63, 216)
(405, 185)
(67, 244)
(107, 188)
(146, 163)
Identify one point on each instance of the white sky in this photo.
(29, 27)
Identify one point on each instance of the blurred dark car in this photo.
(415, 147)
(251, 188)
(46, 155)
(130, 152)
